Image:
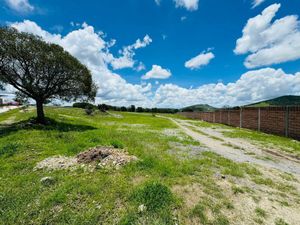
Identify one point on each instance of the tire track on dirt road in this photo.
(236, 155)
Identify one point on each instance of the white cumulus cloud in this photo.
(272, 83)
(20, 5)
(270, 42)
(157, 72)
(91, 49)
(126, 60)
(190, 5)
(200, 60)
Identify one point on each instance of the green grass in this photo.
(105, 196)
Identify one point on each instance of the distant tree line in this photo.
(132, 108)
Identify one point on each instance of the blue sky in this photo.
(147, 48)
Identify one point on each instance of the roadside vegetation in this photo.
(175, 180)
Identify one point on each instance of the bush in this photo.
(83, 105)
(103, 107)
(155, 196)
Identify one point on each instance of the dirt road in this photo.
(239, 150)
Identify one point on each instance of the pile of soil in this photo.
(106, 157)
(103, 157)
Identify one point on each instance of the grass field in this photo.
(175, 183)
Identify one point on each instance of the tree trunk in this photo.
(40, 112)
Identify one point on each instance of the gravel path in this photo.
(240, 154)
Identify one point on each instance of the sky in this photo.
(173, 53)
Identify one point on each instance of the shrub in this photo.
(83, 105)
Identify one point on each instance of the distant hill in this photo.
(198, 108)
(289, 100)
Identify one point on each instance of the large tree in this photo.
(42, 71)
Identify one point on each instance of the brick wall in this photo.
(283, 121)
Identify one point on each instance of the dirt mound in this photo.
(106, 157)
(98, 157)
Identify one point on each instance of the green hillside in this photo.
(289, 100)
(199, 108)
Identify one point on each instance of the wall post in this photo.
(259, 119)
(287, 118)
(241, 117)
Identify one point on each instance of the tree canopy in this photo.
(41, 70)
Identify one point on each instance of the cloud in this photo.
(256, 3)
(200, 60)
(126, 60)
(157, 72)
(91, 49)
(140, 67)
(270, 42)
(190, 5)
(21, 6)
(272, 83)
(183, 18)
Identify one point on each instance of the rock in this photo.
(142, 208)
(47, 181)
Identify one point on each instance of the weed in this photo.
(202, 209)
(263, 181)
(260, 212)
(258, 221)
(237, 190)
(280, 221)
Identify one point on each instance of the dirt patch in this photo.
(98, 157)
(119, 116)
(191, 194)
(186, 151)
(262, 197)
(174, 133)
(57, 163)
